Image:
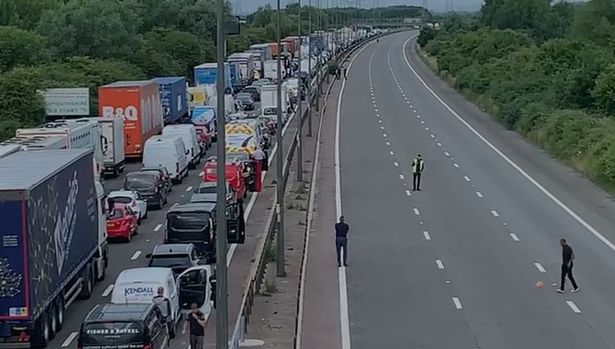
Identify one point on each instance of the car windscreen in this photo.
(169, 261)
(112, 335)
(140, 181)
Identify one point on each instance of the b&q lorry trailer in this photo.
(173, 98)
(51, 250)
(138, 104)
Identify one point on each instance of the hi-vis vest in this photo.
(418, 165)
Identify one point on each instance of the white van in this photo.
(140, 285)
(169, 153)
(188, 135)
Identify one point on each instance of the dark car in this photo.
(164, 173)
(150, 185)
(206, 192)
(118, 326)
(255, 91)
(178, 257)
(193, 223)
(246, 100)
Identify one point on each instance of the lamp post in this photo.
(299, 107)
(280, 267)
(221, 270)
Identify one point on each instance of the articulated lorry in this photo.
(53, 241)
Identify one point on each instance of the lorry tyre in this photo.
(172, 326)
(53, 321)
(116, 172)
(88, 283)
(41, 333)
(59, 313)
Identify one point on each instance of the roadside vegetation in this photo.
(88, 43)
(544, 70)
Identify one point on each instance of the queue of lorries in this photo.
(57, 218)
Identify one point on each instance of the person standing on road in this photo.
(418, 165)
(341, 240)
(567, 259)
(197, 327)
(164, 305)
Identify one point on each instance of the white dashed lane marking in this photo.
(107, 290)
(401, 176)
(457, 303)
(158, 227)
(71, 337)
(456, 165)
(495, 213)
(416, 211)
(391, 152)
(439, 264)
(447, 153)
(396, 163)
(479, 194)
(408, 193)
(573, 307)
(439, 144)
(466, 178)
(540, 267)
(514, 237)
(426, 235)
(189, 188)
(135, 255)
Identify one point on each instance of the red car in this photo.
(122, 223)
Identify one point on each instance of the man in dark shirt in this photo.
(341, 240)
(567, 259)
(197, 327)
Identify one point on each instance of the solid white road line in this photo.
(495, 213)
(456, 165)
(401, 176)
(466, 178)
(158, 227)
(417, 212)
(396, 163)
(514, 165)
(189, 188)
(71, 337)
(540, 267)
(439, 264)
(135, 255)
(408, 193)
(426, 235)
(514, 237)
(457, 302)
(479, 194)
(573, 307)
(107, 290)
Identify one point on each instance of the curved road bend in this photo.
(454, 266)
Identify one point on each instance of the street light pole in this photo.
(299, 108)
(280, 162)
(221, 271)
(309, 132)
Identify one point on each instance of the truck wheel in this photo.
(172, 326)
(116, 172)
(88, 284)
(59, 313)
(41, 333)
(53, 321)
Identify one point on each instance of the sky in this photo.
(249, 6)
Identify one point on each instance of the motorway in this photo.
(455, 265)
(132, 255)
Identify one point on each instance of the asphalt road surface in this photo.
(455, 265)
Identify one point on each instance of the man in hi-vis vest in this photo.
(418, 165)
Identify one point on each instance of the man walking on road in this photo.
(567, 259)
(197, 327)
(418, 165)
(341, 240)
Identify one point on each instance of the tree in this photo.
(20, 104)
(604, 92)
(25, 14)
(101, 29)
(21, 47)
(595, 22)
(533, 16)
